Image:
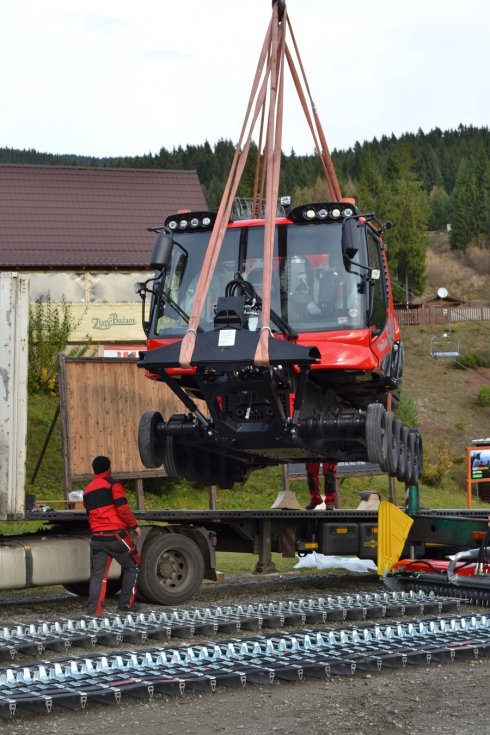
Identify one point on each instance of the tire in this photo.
(410, 476)
(81, 589)
(174, 458)
(171, 570)
(376, 438)
(150, 445)
(193, 465)
(418, 455)
(402, 457)
(207, 470)
(393, 426)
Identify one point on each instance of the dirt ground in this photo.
(446, 699)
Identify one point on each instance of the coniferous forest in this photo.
(420, 181)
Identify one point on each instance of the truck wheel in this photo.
(171, 570)
(376, 438)
(150, 446)
(81, 588)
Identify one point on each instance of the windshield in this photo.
(311, 290)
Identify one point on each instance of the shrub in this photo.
(483, 397)
(50, 327)
(438, 466)
(472, 360)
(406, 411)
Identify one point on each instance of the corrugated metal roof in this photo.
(68, 217)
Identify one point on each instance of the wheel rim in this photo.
(173, 569)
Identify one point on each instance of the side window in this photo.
(378, 315)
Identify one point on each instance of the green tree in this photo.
(440, 208)
(406, 204)
(50, 327)
(370, 191)
(465, 215)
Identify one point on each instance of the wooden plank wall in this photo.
(101, 402)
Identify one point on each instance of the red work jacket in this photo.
(106, 505)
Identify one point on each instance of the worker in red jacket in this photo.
(312, 478)
(111, 521)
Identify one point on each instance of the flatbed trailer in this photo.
(178, 547)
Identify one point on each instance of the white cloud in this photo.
(123, 78)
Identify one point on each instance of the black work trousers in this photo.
(116, 545)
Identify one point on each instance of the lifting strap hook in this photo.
(281, 6)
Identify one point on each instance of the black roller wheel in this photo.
(411, 459)
(402, 457)
(418, 459)
(193, 465)
(393, 429)
(376, 438)
(150, 444)
(207, 469)
(171, 570)
(175, 458)
(227, 473)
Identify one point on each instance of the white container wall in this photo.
(14, 319)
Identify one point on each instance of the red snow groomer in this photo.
(282, 324)
(335, 353)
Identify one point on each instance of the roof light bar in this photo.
(185, 221)
(322, 211)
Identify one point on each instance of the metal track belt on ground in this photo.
(60, 635)
(73, 682)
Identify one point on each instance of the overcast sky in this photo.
(121, 77)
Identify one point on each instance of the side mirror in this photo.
(162, 250)
(351, 238)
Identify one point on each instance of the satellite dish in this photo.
(442, 293)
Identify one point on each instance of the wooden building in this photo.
(81, 232)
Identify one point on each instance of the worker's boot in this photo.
(129, 608)
(312, 480)
(330, 490)
(313, 503)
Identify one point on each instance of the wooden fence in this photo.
(438, 315)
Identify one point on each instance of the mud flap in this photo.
(393, 527)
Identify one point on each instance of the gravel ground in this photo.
(446, 699)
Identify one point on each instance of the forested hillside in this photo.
(420, 181)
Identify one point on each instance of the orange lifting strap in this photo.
(267, 94)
